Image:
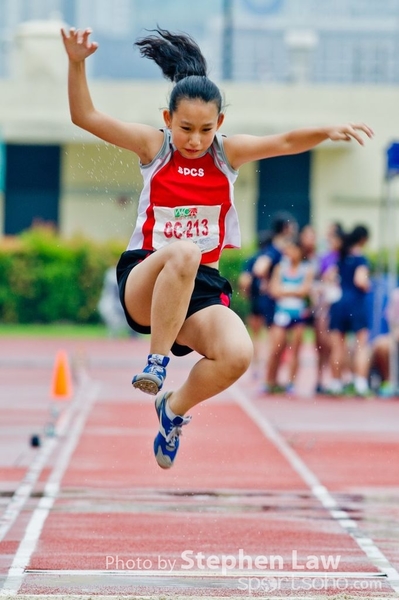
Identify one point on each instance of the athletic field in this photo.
(270, 497)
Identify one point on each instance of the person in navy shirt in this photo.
(284, 228)
(348, 315)
(257, 275)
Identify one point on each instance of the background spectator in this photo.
(109, 305)
(325, 291)
(259, 270)
(250, 286)
(385, 350)
(349, 313)
(290, 285)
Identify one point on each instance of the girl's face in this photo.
(308, 238)
(193, 126)
(290, 230)
(335, 242)
(332, 235)
(293, 252)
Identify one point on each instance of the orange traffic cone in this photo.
(61, 388)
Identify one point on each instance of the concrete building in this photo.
(55, 172)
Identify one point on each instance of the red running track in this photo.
(269, 497)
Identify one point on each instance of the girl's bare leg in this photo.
(337, 360)
(361, 362)
(296, 344)
(256, 325)
(159, 289)
(361, 359)
(380, 356)
(219, 335)
(277, 343)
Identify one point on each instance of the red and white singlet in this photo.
(187, 199)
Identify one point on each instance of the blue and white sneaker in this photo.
(166, 443)
(151, 379)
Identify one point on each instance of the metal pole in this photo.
(392, 282)
(392, 171)
(227, 40)
(380, 287)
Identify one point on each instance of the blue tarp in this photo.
(377, 301)
(393, 159)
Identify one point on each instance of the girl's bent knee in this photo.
(239, 359)
(185, 256)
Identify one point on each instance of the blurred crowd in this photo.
(296, 284)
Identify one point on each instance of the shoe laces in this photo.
(156, 369)
(176, 431)
(158, 359)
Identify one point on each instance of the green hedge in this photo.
(46, 279)
(231, 265)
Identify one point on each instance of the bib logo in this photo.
(192, 172)
(185, 212)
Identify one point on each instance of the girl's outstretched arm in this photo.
(144, 140)
(246, 148)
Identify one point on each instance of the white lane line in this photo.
(366, 544)
(233, 573)
(82, 406)
(182, 596)
(25, 488)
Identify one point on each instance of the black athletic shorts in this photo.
(209, 288)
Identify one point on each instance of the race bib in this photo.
(198, 224)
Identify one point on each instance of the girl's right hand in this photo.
(77, 44)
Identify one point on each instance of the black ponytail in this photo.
(346, 244)
(181, 61)
(177, 55)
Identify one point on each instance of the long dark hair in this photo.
(181, 61)
(358, 234)
(281, 220)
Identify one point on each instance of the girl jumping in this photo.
(168, 277)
